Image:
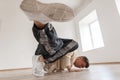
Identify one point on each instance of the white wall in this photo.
(17, 44)
(110, 26)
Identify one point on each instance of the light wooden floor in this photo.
(95, 72)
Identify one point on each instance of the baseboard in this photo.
(14, 69)
(104, 63)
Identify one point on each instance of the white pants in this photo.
(38, 66)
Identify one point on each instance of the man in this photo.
(50, 47)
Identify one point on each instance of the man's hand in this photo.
(75, 70)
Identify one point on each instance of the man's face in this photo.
(79, 62)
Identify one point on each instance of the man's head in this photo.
(81, 62)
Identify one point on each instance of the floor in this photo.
(95, 72)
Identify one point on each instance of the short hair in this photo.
(85, 59)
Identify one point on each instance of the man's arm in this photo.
(70, 68)
(73, 70)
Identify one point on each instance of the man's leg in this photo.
(69, 46)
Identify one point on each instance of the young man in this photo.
(69, 62)
(50, 47)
